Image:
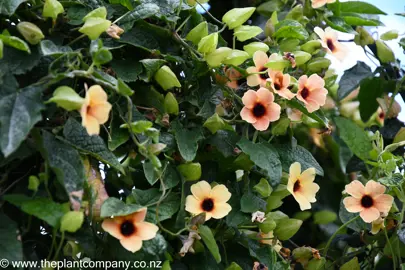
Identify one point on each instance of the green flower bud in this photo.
(52, 8)
(124, 89)
(1, 48)
(139, 126)
(263, 188)
(302, 253)
(311, 46)
(94, 27)
(246, 32)
(156, 148)
(280, 127)
(237, 16)
(100, 12)
(190, 171)
(214, 123)
(301, 57)
(215, 58)
(384, 53)
(236, 58)
(171, 105)
(209, 43)
(318, 64)
(277, 63)
(267, 225)
(270, 25)
(67, 98)
(390, 35)
(234, 266)
(289, 44)
(198, 32)
(166, 78)
(155, 161)
(33, 183)
(253, 47)
(153, 133)
(363, 38)
(30, 32)
(72, 221)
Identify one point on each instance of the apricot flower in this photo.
(212, 201)
(131, 230)
(329, 40)
(260, 58)
(233, 75)
(370, 200)
(260, 108)
(321, 3)
(280, 83)
(95, 109)
(312, 92)
(302, 186)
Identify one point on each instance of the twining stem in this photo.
(122, 17)
(53, 243)
(62, 240)
(336, 232)
(76, 39)
(179, 8)
(255, 136)
(183, 23)
(394, 259)
(209, 14)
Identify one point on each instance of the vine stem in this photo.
(183, 23)
(209, 14)
(394, 259)
(336, 232)
(76, 39)
(62, 239)
(122, 17)
(255, 136)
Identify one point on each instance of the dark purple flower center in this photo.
(330, 44)
(127, 228)
(297, 186)
(259, 110)
(305, 93)
(264, 76)
(207, 205)
(366, 201)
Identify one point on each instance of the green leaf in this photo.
(94, 27)
(338, 23)
(358, 225)
(267, 8)
(360, 7)
(33, 183)
(370, 90)
(150, 172)
(190, 171)
(234, 266)
(76, 13)
(143, 11)
(52, 8)
(71, 221)
(124, 89)
(384, 52)
(187, 140)
(171, 177)
(265, 157)
(401, 234)
(358, 19)
(66, 163)
(101, 56)
(352, 78)
(237, 16)
(16, 43)
(49, 48)
(290, 154)
(197, 33)
(290, 29)
(94, 145)
(263, 188)
(67, 98)
(394, 180)
(263, 253)
(10, 246)
(250, 203)
(18, 62)
(245, 32)
(286, 228)
(45, 209)
(209, 241)
(353, 264)
(316, 264)
(151, 67)
(355, 137)
(324, 217)
(17, 106)
(100, 12)
(318, 116)
(8, 7)
(115, 207)
(118, 136)
(225, 141)
(128, 71)
(390, 35)
(138, 126)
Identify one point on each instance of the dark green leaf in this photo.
(115, 207)
(10, 246)
(290, 29)
(76, 13)
(286, 228)
(18, 62)
(209, 241)
(20, 111)
(358, 19)
(171, 177)
(143, 11)
(317, 115)
(264, 254)
(8, 7)
(352, 78)
(250, 203)
(358, 225)
(268, 7)
(401, 234)
(339, 24)
(16, 43)
(265, 157)
(118, 136)
(187, 140)
(151, 66)
(93, 145)
(225, 141)
(360, 7)
(128, 71)
(370, 90)
(49, 48)
(355, 137)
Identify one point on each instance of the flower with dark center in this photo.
(211, 201)
(264, 76)
(280, 84)
(321, 3)
(256, 75)
(260, 109)
(370, 200)
(312, 92)
(302, 186)
(329, 41)
(131, 229)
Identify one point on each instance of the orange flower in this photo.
(329, 40)
(312, 92)
(233, 76)
(370, 200)
(260, 58)
(280, 83)
(260, 108)
(131, 230)
(211, 201)
(302, 186)
(95, 109)
(321, 3)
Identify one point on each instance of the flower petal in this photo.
(309, 190)
(112, 227)
(311, 105)
(352, 205)
(221, 210)
(193, 205)
(249, 99)
(139, 215)
(308, 176)
(91, 124)
(133, 243)
(208, 215)
(355, 188)
(262, 124)
(383, 203)
(146, 230)
(273, 112)
(370, 214)
(374, 188)
(319, 31)
(100, 112)
(201, 190)
(96, 95)
(315, 82)
(260, 58)
(265, 96)
(302, 201)
(253, 80)
(295, 170)
(220, 193)
(247, 115)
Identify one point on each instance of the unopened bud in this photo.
(384, 53)
(237, 16)
(52, 8)
(209, 43)
(190, 171)
(30, 32)
(363, 38)
(318, 64)
(311, 46)
(390, 35)
(156, 148)
(66, 98)
(214, 123)
(100, 12)
(301, 57)
(253, 47)
(216, 58)
(277, 62)
(245, 32)
(236, 58)
(198, 32)
(171, 105)
(94, 27)
(166, 78)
